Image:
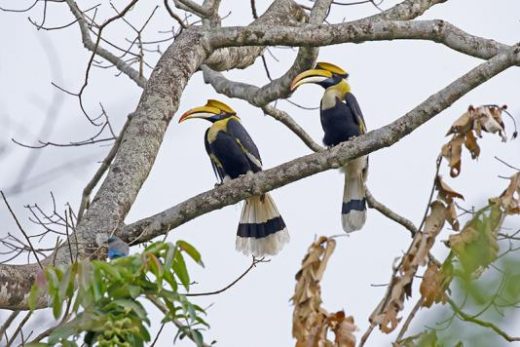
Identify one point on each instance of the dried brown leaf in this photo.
(389, 321)
(510, 198)
(446, 193)
(472, 145)
(490, 119)
(483, 118)
(433, 286)
(451, 216)
(464, 123)
(309, 318)
(452, 152)
(386, 313)
(343, 328)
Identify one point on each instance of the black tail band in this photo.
(353, 205)
(261, 230)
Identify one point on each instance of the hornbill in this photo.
(341, 119)
(232, 152)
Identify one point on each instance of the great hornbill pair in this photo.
(261, 230)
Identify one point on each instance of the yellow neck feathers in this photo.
(220, 125)
(337, 91)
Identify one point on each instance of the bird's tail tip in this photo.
(354, 209)
(259, 247)
(353, 220)
(261, 230)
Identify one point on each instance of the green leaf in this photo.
(170, 253)
(107, 269)
(179, 266)
(97, 285)
(131, 305)
(66, 343)
(132, 291)
(168, 276)
(155, 247)
(67, 284)
(33, 296)
(197, 337)
(155, 267)
(52, 280)
(192, 251)
(63, 332)
(57, 305)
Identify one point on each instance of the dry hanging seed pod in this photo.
(311, 322)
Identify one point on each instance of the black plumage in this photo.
(342, 122)
(232, 151)
(261, 230)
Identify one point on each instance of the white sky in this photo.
(388, 78)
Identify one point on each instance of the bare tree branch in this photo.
(21, 229)
(259, 183)
(254, 262)
(361, 31)
(279, 88)
(7, 323)
(100, 51)
(373, 203)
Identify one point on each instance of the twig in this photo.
(365, 336)
(411, 316)
(253, 9)
(96, 44)
(288, 121)
(176, 322)
(19, 11)
(373, 203)
(507, 164)
(48, 331)
(158, 334)
(19, 328)
(266, 68)
(174, 16)
(68, 236)
(438, 165)
(21, 229)
(7, 323)
(469, 318)
(301, 106)
(253, 264)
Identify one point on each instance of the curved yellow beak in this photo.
(310, 76)
(203, 112)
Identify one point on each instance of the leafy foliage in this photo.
(104, 300)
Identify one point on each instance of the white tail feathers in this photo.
(354, 210)
(261, 230)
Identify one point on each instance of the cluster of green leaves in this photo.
(104, 300)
